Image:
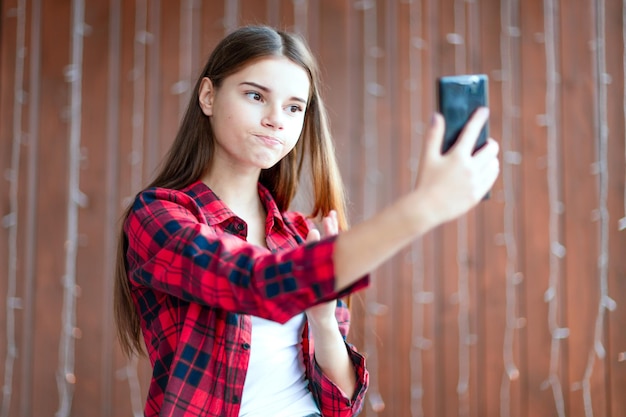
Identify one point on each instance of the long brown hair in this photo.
(190, 154)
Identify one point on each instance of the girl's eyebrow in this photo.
(267, 90)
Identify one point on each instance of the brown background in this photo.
(517, 309)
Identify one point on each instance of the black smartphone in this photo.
(458, 97)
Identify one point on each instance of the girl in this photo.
(229, 288)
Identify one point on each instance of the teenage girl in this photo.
(237, 298)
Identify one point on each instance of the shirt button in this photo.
(235, 399)
(240, 227)
(245, 346)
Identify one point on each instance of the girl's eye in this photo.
(295, 109)
(254, 95)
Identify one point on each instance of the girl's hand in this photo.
(323, 314)
(451, 184)
(330, 349)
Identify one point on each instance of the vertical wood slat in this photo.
(449, 50)
(340, 49)
(496, 393)
(7, 40)
(126, 394)
(537, 245)
(369, 190)
(252, 12)
(411, 48)
(432, 277)
(403, 57)
(616, 113)
(506, 379)
(52, 204)
(93, 351)
(172, 83)
(112, 198)
(383, 92)
(582, 254)
(154, 89)
(30, 254)
(533, 167)
(471, 245)
(12, 220)
(597, 392)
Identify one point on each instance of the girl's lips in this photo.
(270, 140)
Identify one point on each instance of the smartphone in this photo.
(458, 97)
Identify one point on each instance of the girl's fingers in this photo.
(487, 153)
(492, 171)
(434, 137)
(470, 133)
(331, 225)
(313, 236)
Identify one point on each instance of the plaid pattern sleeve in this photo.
(174, 250)
(332, 401)
(330, 398)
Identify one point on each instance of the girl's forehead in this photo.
(276, 73)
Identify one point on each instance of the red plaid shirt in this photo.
(195, 281)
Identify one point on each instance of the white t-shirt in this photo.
(275, 381)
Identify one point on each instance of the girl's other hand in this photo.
(323, 314)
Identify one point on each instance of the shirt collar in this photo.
(274, 217)
(220, 212)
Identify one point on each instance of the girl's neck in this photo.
(239, 192)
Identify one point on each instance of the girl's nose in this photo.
(273, 118)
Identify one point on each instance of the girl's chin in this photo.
(265, 167)
(267, 163)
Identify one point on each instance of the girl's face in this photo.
(257, 113)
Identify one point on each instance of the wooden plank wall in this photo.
(517, 309)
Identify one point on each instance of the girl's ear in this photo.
(205, 96)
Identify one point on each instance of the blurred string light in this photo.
(10, 221)
(111, 201)
(557, 250)
(129, 373)
(273, 12)
(190, 14)
(509, 35)
(231, 15)
(622, 221)
(185, 53)
(301, 16)
(602, 213)
(30, 235)
(141, 39)
(458, 39)
(66, 379)
(419, 343)
(152, 155)
(372, 91)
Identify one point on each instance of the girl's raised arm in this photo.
(447, 186)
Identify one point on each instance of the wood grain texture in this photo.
(448, 321)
